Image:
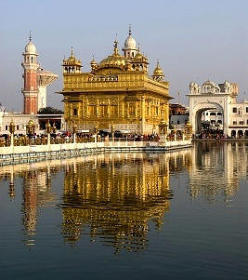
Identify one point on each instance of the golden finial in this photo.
(116, 51)
(72, 51)
(93, 59)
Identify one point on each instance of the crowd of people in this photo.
(68, 137)
(216, 135)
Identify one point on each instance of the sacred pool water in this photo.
(180, 215)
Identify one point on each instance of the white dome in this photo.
(130, 43)
(30, 48)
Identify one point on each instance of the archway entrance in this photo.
(213, 97)
(208, 119)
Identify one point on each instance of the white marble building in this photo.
(214, 118)
(21, 120)
(220, 99)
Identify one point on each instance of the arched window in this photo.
(75, 112)
(233, 133)
(32, 59)
(240, 133)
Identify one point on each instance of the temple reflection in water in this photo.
(117, 198)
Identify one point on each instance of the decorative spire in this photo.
(116, 51)
(72, 51)
(130, 31)
(30, 36)
(93, 59)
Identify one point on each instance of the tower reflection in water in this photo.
(114, 197)
(36, 194)
(36, 191)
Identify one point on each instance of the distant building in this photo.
(213, 119)
(178, 109)
(179, 116)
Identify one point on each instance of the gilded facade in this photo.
(117, 94)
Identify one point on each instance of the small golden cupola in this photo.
(139, 62)
(115, 60)
(158, 74)
(72, 65)
(93, 64)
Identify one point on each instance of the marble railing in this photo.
(90, 145)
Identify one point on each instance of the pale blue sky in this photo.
(194, 40)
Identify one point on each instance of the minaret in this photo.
(30, 90)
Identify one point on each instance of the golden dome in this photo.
(158, 71)
(138, 56)
(72, 60)
(114, 60)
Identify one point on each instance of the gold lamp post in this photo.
(96, 132)
(12, 131)
(48, 131)
(30, 128)
(74, 131)
(188, 129)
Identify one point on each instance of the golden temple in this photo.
(117, 94)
